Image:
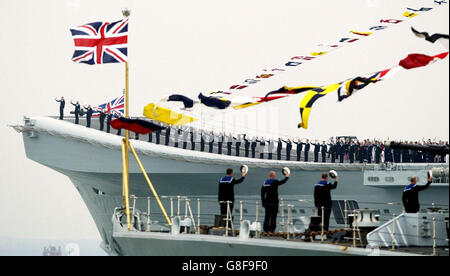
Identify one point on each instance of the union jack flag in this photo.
(101, 42)
(116, 106)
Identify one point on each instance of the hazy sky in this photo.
(200, 46)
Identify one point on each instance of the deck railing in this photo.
(191, 221)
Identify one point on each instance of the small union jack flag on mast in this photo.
(101, 42)
(116, 107)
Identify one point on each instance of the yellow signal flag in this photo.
(410, 14)
(310, 98)
(315, 54)
(167, 116)
(361, 33)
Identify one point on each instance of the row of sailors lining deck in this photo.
(340, 150)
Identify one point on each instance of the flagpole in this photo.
(126, 141)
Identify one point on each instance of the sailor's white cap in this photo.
(333, 174)
(244, 169)
(286, 171)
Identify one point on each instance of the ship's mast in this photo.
(126, 146)
(125, 142)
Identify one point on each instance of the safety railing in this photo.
(177, 204)
(180, 206)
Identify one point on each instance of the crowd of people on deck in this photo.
(334, 150)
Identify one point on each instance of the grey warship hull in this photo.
(92, 161)
(157, 244)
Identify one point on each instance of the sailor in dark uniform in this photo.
(324, 150)
(192, 139)
(279, 148)
(443, 156)
(109, 117)
(351, 152)
(89, 112)
(299, 149)
(246, 146)
(288, 149)
(358, 151)
(158, 136)
(410, 196)
(332, 151)
(316, 151)
(378, 151)
(229, 144)
(345, 148)
(363, 153)
(220, 143)
(322, 198)
(62, 104)
(388, 154)
(397, 154)
(270, 201)
(202, 141)
(369, 152)
(340, 151)
(346, 145)
(226, 190)
(167, 136)
(253, 146)
(101, 119)
(307, 148)
(238, 145)
(76, 112)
